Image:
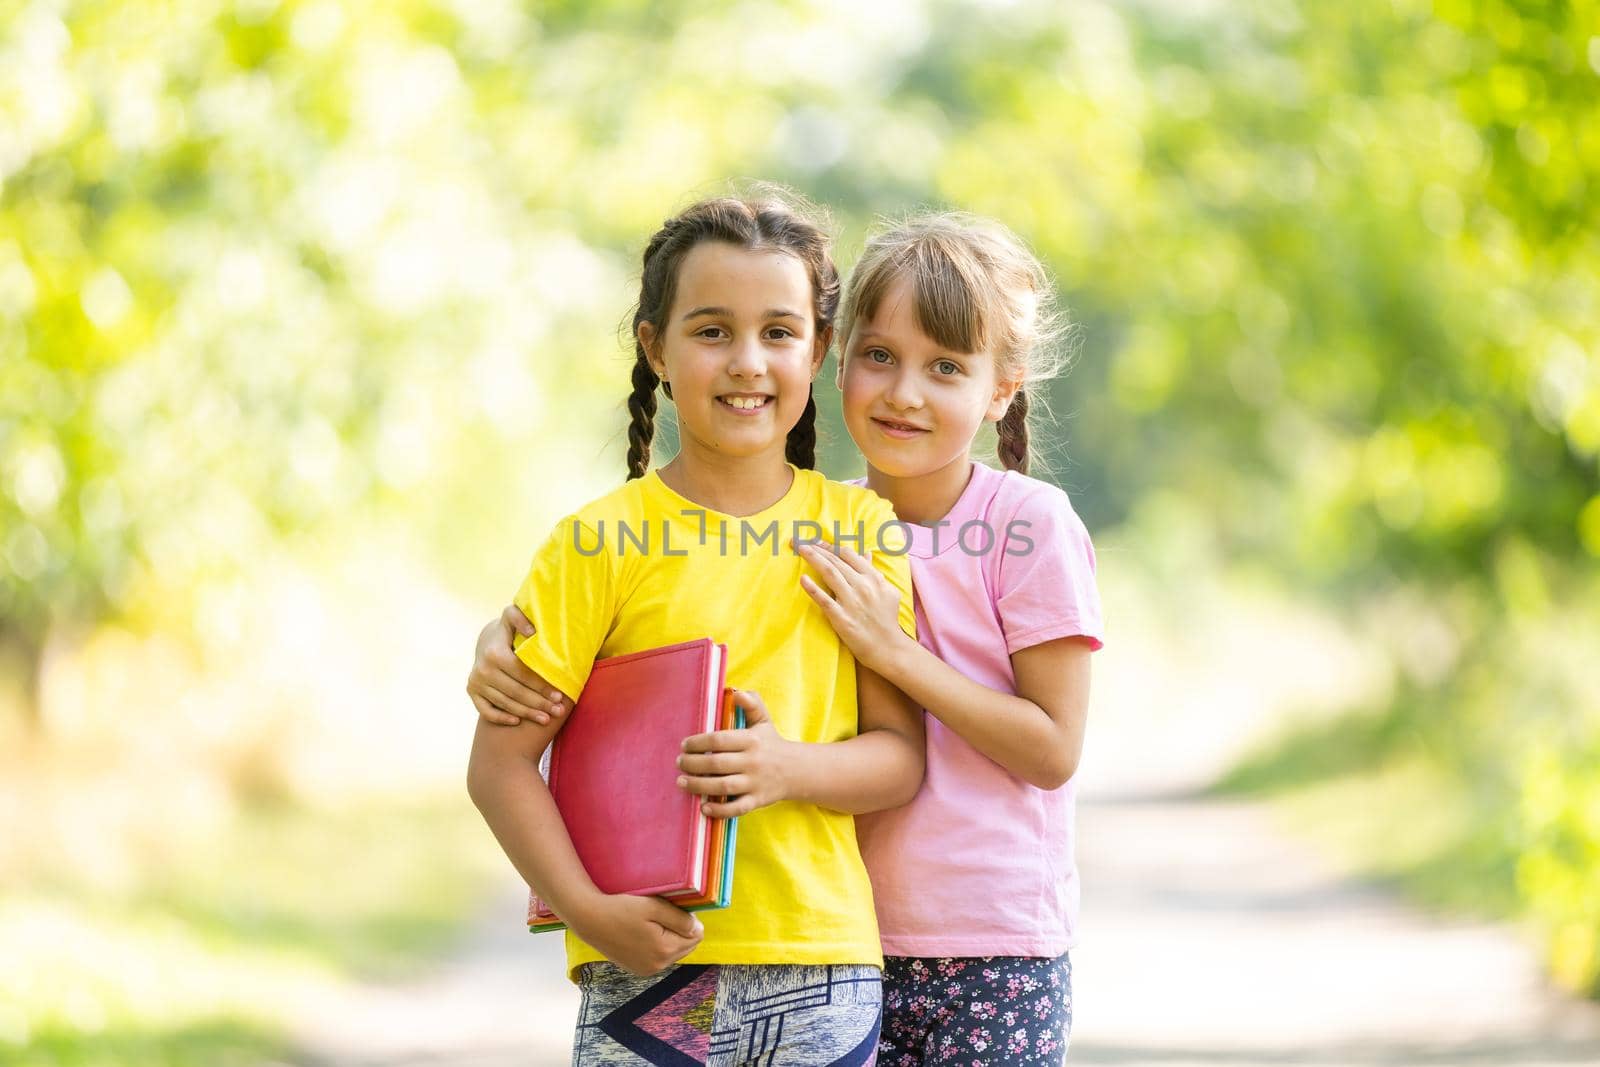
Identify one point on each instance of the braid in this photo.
(642, 412)
(1012, 433)
(801, 446)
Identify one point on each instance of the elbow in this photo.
(909, 783)
(1052, 774)
(480, 782)
(895, 785)
(909, 786)
(1049, 781)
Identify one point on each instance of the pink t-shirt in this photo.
(980, 863)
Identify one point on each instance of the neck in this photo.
(926, 498)
(731, 485)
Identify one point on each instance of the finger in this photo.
(492, 713)
(538, 713)
(824, 599)
(856, 561)
(513, 617)
(847, 585)
(755, 708)
(688, 947)
(721, 741)
(830, 573)
(674, 920)
(675, 948)
(508, 663)
(717, 785)
(515, 698)
(550, 701)
(730, 809)
(818, 551)
(711, 763)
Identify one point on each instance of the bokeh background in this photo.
(309, 327)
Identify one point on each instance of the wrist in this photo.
(582, 910)
(792, 763)
(789, 760)
(897, 659)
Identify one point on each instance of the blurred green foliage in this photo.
(273, 272)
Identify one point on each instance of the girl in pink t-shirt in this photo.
(947, 322)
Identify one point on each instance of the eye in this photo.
(947, 367)
(711, 333)
(780, 333)
(878, 355)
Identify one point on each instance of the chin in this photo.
(740, 447)
(897, 466)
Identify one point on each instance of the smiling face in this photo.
(739, 348)
(912, 406)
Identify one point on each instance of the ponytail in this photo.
(1012, 434)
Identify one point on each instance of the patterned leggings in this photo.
(975, 1011)
(723, 1015)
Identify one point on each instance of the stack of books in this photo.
(613, 773)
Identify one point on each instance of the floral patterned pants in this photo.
(975, 1011)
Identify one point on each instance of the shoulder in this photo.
(1017, 496)
(1036, 513)
(594, 533)
(626, 501)
(852, 500)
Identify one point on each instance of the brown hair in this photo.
(770, 220)
(976, 288)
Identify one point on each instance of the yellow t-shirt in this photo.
(643, 567)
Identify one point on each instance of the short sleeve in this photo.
(891, 556)
(569, 596)
(1046, 582)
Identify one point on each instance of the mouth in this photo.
(898, 429)
(746, 403)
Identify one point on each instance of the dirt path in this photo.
(500, 1001)
(1216, 939)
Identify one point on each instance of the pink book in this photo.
(613, 772)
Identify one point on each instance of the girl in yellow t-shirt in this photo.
(735, 315)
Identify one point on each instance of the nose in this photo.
(748, 359)
(903, 393)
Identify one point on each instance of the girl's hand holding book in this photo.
(642, 935)
(748, 767)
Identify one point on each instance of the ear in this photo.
(1003, 392)
(820, 352)
(648, 337)
(838, 365)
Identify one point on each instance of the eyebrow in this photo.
(771, 313)
(939, 350)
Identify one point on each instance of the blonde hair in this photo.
(976, 288)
